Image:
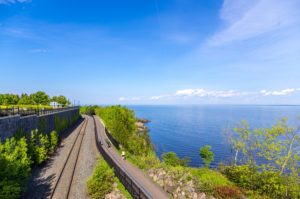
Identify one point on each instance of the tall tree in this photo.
(40, 97)
(61, 100)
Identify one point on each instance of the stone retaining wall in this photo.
(11, 124)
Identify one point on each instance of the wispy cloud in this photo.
(158, 97)
(246, 19)
(278, 93)
(213, 94)
(38, 50)
(205, 93)
(13, 1)
(129, 99)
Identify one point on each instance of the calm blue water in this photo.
(184, 129)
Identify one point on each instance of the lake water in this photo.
(184, 129)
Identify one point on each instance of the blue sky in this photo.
(153, 51)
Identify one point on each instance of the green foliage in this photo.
(171, 158)
(42, 125)
(17, 155)
(88, 110)
(120, 121)
(207, 155)
(9, 99)
(14, 167)
(39, 146)
(101, 182)
(38, 98)
(270, 183)
(208, 180)
(53, 140)
(25, 99)
(60, 123)
(145, 162)
(241, 175)
(61, 100)
(278, 146)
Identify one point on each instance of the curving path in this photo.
(144, 182)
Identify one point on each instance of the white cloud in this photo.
(214, 94)
(158, 97)
(13, 1)
(38, 50)
(129, 99)
(122, 99)
(279, 93)
(203, 93)
(250, 18)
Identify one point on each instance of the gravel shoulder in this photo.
(86, 162)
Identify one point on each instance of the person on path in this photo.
(123, 155)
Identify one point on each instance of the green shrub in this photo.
(171, 158)
(39, 146)
(88, 110)
(53, 140)
(207, 155)
(145, 162)
(101, 182)
(120, 121)
(208, 180)
(14, 167)
(264, 182)
(241, 175)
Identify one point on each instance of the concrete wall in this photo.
(11, 124)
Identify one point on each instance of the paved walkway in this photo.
(142, 180)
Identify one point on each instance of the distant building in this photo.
(55, 104)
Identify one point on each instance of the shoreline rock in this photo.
(143, 120)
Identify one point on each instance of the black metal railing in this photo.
(126, 179)
(31, 111)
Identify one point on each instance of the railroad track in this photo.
(63, 184)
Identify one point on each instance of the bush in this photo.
(88, 110)
(38, 147)
(120, 121)
(264, 182)
(207, 155)
(171, 159)
(53, 140)
(14, 167)
(145, 162)
(102, 180)
(208, 180)
(241, 175)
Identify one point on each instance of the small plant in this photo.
(101, 182)
(53, 140)
(171, 159)
(207, 155)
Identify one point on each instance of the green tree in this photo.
(120, 121)
(40, 97)
(280, 145)
(25, 100)
(207, 155)
(61, 100)
(9, 99)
